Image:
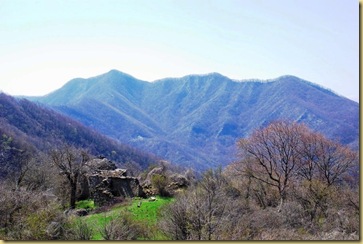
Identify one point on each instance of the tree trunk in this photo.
(73, 196)
(282, 200)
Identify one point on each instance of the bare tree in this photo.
(25, 162)
(285, 155)
(324, 163)
(270, 155)
(200, 213)
(325, 160)
(70, 162)
(213, 187)
(175, 220)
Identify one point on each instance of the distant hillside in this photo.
(195, 120)
(25, 125)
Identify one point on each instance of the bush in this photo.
(37, 223)
(293, 215)
(123, 227)
(78, 230)
(85, 204)
(159, 182)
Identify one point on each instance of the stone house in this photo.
(102, 181)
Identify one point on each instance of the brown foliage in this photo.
(270, 154)
(284, 155)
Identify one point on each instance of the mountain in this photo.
(26, 126)
(197, 119)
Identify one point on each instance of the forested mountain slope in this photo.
(195, 120)
(28, 127)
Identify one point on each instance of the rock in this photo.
(97, 164)
(179, 180)
(103, 182)
(76, 212)
(156, 170)
(175, 182)
(148, 190)
(81, 212)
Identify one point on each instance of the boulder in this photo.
(156, 170)
(175, 182)
(97, 164)
(76, 212)
(179, 180)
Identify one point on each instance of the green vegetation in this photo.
(160, 182)
(85, 204)
(148, 213)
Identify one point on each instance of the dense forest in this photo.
(289, 183)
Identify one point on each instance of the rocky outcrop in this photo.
(103, 182)
(154, 171)
(98, 164)
(175, 182)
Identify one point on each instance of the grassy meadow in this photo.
(145, 214)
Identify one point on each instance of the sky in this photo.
(46, 43)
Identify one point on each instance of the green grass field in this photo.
(148, 213)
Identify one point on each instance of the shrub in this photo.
(85, 204)
(123, 227)
(159, 182)
(78, 229)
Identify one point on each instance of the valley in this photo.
(201, 157)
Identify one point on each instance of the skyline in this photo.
(45, 44)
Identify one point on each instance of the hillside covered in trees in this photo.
(27, 129)
(61, 180)
(289, 183)
(196, 120)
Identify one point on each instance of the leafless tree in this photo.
(289, 155)
(200, 213)
(175, 220)
(324, 163)
(270, 154)
(324, 159)
(70, 161)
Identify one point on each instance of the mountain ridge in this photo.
(201, 116)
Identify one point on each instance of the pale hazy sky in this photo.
(45, 43)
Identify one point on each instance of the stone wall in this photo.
(103, 182)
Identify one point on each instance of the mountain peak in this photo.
(113, 73)
(215, 74)
(207, 75)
